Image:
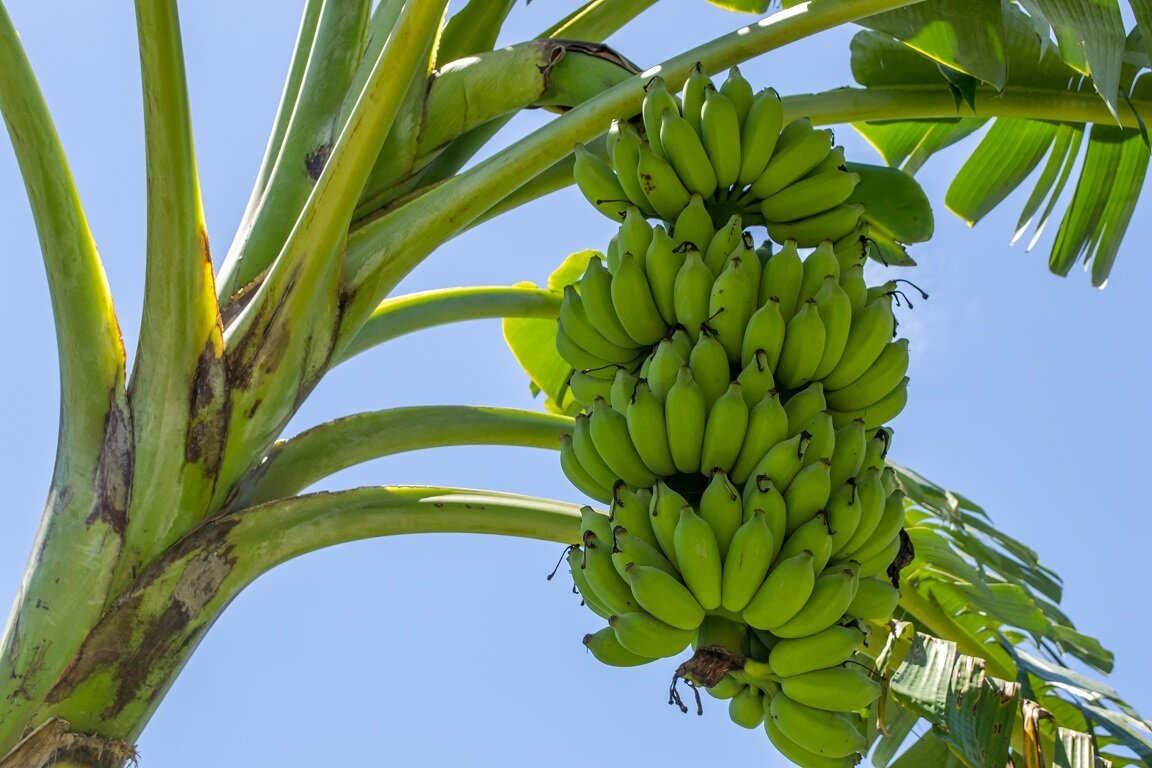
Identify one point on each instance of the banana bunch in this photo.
(732, 400)
(730, 147)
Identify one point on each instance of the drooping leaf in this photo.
(893, 201)
(1050, 183)
(928, 750)
(969, 39)
(1090, 35)
(1004, 158)
(907, 145)
(472, 29)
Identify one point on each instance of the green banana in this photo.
(813, 536)
(693, 225)
(852, 281)
(878, 564)
(587, 454)
(822, 438)
(760, 494)
(831, 734)
(803, 406)
(810, 231)
(665, 364)
(692, 95)
(730, 305)
(887, 528)
(648, 430)
(889, 480)
(598, 183)
(870, 333)
(809, 196)
(882, 411)
(663, 596)
(586, 386)
(876, 600)
(625, 156)
(581, 330)
(721, 508)
(782, 461)
(880, 378)
(596, 296)
(836, 313)
(597, 522)
(799, 149)
(818, 266)
(664, 514)
(608, 650)
(724, 241)
(739, 90)
(724, 430)
(609, 430)
(834, 162)
(746, 708)
(627, 548)
(632, 298)
(728, 687)
(803, 346)
(698, 555)
(848, 455)
(781, 278)
(629, 510)
(709, 364)
(575, 558)
(765, 331)
(685, 414)
(578, 475)
(767, 426)
(692, 289)
(798, 754)
(720, 131)
(836, 689)
(575, 355)
(657, 99)
(746, 563)
(758, 135)
(876, 448)
(646, 635)
(719, 632)
(661, 264)
(634, 234)
(620, 394)
(807, 494)
(830, 598)
(682, 343)
(661, 184)
(605, 583)
(871, 498)
(829, 647)
(783, 593)
(756, 379)
(685, 152)
(843, 510)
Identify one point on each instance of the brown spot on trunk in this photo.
(114, 470)
(54, 743)
(207, 414)
(315, 161)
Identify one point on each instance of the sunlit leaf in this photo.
(907, 145)
(970, 38)
(533, 343)
(1090, 34)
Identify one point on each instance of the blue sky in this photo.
(430, 650)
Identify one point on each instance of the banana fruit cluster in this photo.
(733, 402)
(730, 147)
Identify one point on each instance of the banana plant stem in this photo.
(295, 464)
(416, 311)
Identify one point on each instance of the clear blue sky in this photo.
(433, 650)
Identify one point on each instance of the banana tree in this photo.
(179, 480)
